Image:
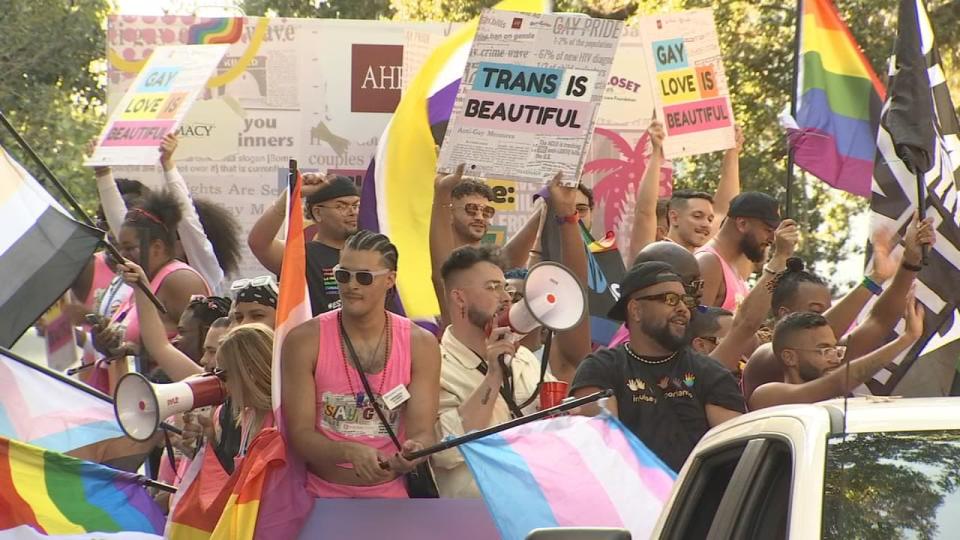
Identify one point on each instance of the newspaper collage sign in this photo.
(319, 91)
(529, 96)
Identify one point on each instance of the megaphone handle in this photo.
(548, 341)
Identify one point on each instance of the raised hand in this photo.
(563, 198)
(884, 263)
(919, 233)
(314, 182)
(446, 182)
(785, 239)
(167, 147)
(657, 135)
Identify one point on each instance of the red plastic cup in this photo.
(552, 393)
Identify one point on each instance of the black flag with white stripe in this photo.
(907, 119)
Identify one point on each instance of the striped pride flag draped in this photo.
(571, 471)
(406, 163)
(56, 494)
(42, 249)
(838, 100)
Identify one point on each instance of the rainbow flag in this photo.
(216, 30)
(57, 494)
(569, 471)
(838, 100)
(406, 163)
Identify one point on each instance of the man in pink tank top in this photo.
(744, 235)
(332, 423)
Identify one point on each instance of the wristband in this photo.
(911, 267)
(573, 218)
(766, 268)
(871, 286)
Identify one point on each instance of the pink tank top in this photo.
(102, 276)
(127, 312)
(344, 413)
(735, 285)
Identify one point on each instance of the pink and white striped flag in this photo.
(570, 471)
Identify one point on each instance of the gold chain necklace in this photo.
(636, 356)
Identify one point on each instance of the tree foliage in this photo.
(51, 89)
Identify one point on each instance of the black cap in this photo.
(753, 204)
(340, 186)
(640, 276)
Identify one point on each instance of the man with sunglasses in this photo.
(664, 392)
(333, 203)
(813, 363)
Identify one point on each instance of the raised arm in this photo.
(755, 307)
(645, 212)
(885, 313)
(298, 360)
(518, 248)
(844, 313)
(153, 333)
(441, 232)
(844, 379)
(574, 344)
(196, 245)
(729, 185)
(263, 241)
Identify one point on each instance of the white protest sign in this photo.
(529, 95)
(693, 100)
(155, 104)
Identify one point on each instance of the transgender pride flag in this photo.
(570, 471)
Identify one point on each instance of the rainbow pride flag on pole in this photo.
(398, 187)
(570, 471)
(837, 101)
(56, 494)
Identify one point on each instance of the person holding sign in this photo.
(691, 216)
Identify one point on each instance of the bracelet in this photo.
(573, 219)
(871, 286)
(911, 267)
(766, 268)
(535, 252)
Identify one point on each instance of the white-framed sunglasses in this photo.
(259, 281)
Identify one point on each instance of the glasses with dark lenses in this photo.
(363, 277)
(671, 299)
(474, 209)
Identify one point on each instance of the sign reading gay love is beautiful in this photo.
(531, 89)
(156, 103)
(690, 86)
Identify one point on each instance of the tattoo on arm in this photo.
(486, 396)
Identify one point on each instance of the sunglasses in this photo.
(671, 299)
(261, 281)
(474, 209)
(363, 277)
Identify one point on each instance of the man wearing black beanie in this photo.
(333, 203)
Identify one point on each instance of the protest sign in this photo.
(691, 92)
(155, 104)
(531, 89)
(272, 98)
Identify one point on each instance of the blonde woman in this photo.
(243, 362)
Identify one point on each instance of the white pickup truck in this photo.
(870, 468)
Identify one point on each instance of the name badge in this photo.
(394, 398)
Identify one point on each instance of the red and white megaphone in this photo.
(140, 405)
(552, 299)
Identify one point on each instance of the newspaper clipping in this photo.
(531, 90)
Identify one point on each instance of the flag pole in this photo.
(453, 443)
(788, 197)
(114, 253)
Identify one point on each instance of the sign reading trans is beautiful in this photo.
(533, 84)
(156, 103)
(690, 86)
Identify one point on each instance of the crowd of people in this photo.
(719, 316)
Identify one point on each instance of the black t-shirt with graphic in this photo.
(324, 294)
(663, 404)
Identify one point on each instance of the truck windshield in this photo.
(892, 485)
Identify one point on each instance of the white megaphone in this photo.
(140, 405)
(552, 298)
